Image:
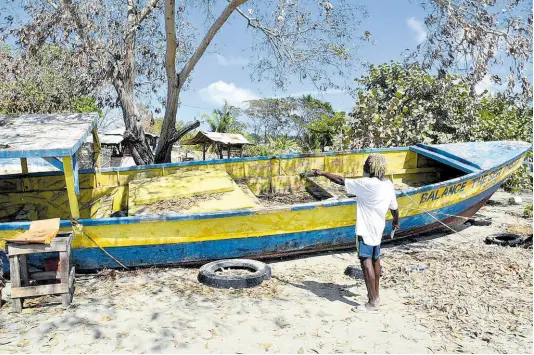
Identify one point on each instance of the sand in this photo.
(306, 307)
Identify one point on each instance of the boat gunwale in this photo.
(262, 210)
(204, 162)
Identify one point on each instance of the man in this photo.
(375, 194)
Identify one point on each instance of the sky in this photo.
(223, 74)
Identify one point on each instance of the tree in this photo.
(44, 83)
(112, 42)
(322, 131)
(402, 105)
(287, 116)
(302, 38)
(225, 120)
(477, 39)
(271, 117)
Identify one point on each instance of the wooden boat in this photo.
(229, 219)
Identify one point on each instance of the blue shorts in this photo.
(367, 251)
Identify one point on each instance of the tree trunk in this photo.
(175, 82)
(134, 135)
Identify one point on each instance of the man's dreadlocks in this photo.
(375, 165)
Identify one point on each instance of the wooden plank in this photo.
(44, 275)
(24, 277)
(58, 244)
(31, 291)
(24, 165)
(55, 162)
(71, 190)
(96, 149)
(64, 272)
(173, 186)
(75, 168)
(14, 272)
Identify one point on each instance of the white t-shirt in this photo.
(374, 197)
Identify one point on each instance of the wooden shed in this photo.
(220, 142)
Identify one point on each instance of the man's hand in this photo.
(396, 226)
(318, 172)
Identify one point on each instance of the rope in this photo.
(422, 208)
(79, 227)
(105, 252)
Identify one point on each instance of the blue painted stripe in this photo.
(160, 254)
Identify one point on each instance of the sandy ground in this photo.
(472, 298)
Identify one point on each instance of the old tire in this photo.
(208, 273)
(505, 239)
(480, 221)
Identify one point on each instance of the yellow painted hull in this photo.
(195, 237)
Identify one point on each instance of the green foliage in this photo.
(43, 83)
(501, 118)
(322, 131)
(402, 105)
(311, 122)
(225, 120)
(276, 146)
(527, 212)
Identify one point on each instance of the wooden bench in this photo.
(21, 279)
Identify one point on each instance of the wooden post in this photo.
(96, 149)
(26, 180)
(14, 271)
(24, 165)
(229, 150)
(24, 276)
(220, 151)
(204, 148)
(71, 189)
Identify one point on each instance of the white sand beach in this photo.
(473, 298)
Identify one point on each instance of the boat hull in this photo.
(268, 232)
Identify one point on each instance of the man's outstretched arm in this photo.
(340, 180)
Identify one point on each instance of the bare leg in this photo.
(376, 265)
(369, 277)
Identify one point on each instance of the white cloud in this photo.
(220, 91)
(418, 27)
(488, 84)
(319, 93)
(231, 60)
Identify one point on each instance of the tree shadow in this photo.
(330, 291)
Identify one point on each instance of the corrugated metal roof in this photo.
(224, 138)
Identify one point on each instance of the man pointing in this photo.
(375, 194)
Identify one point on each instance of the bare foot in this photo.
(368, 307)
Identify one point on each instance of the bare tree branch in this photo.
(232, 5)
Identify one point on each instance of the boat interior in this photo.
(206, 186)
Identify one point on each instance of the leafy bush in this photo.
(277, 146)
(401, 105)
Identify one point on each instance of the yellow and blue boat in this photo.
(222, 216)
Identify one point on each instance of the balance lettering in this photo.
(449, 190)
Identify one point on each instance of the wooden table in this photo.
(20, 278)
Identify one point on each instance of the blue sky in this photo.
(395, 25)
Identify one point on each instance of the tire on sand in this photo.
(505, 239)
(208, 273)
